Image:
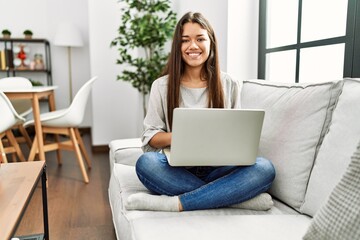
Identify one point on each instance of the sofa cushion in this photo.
(296, 120)
(269, 227)
(339, 218)
(124, 182)
(337, 147)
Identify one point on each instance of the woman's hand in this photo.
(161, 140)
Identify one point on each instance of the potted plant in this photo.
(6, 33)
(28, 34)
(146, 27)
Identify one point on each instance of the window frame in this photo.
(351, 40)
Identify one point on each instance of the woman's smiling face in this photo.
(195, 47)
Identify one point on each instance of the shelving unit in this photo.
(10, 70)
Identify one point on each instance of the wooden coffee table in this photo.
(18, 182)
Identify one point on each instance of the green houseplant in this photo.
(6, 33)
(146, 26)
(28, 34)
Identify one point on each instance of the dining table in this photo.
(36, 94)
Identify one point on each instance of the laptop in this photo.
(215, 137)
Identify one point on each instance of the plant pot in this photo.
(6, 35)
(28, 36)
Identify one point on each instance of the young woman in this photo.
(192, 78)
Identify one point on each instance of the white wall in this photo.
(242, 39)
(116, 104)
(116, 109)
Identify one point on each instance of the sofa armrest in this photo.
(125, 151)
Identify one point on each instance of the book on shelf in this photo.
(2, 60)
(9, 58)
(6, 59)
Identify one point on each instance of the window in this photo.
(309, 40)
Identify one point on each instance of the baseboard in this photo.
(100, 148)
(85, 130)
(94, 149)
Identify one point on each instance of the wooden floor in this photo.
(76, 210)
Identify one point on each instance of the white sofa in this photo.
(310, 133)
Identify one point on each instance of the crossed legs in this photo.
(178, 188)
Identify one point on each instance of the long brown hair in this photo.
(176, 66)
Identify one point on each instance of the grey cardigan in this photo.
(156, 119)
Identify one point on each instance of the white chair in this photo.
(9, 118)
(65, 122)
(22, 106)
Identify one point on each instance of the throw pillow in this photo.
(297, 116)
(339, 218)
(336, 150)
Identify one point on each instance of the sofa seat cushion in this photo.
(296, 119)
(244, 227)
(337, 148)
(124, 182)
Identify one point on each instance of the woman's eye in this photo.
(185, 40)
(201, 39)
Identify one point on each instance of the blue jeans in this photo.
(204, 187)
